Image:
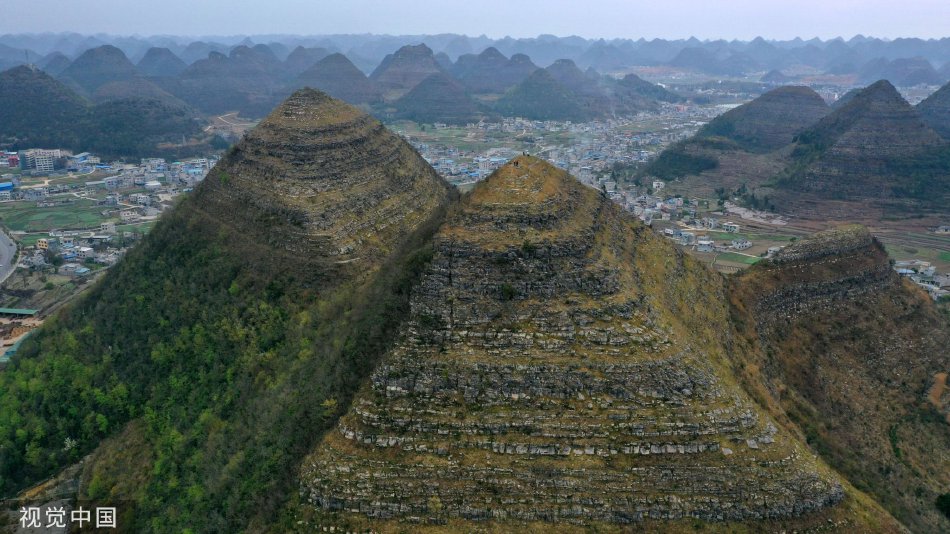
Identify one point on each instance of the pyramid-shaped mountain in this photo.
(245, 80)
(491, 71)
(313, 150)
(159, 62)
(902, 72)
(541, 97)
(631, 83)
(568, 74)
(337, 76)
(258, 302)
(605, 57)
(404, 69)
(38, 110)
(55, 63)
(474, 65)
(554, 370)
(935, 111)
(776, 77)
(301, 59)
(738, 144)
(875, 145)
(771, 121)
(99, 66)
(438, 98)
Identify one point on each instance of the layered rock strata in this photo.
(560, 364)
(341, 191)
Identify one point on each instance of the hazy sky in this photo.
(742, 19)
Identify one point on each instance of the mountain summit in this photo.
(875, 145)
(554, 369)
(263, 296)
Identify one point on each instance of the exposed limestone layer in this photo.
(561, 364)
(856, 356)
(323, 184)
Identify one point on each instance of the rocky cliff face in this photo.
(563, 364)
(857, 358)
(321, 183)
(279, 282)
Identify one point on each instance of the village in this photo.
(464, 155)
(721, 233)
(72, 217)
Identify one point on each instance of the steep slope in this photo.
(99, 66)
(857, 358)
(568, 74)
(553, 369)
(776, 77)
(210, 360)
(160, 62)
(541, 97)
(339, 78)
(935, 111)
(402, 70)
(55, 63)
(491, 72)
(438, 98)
(138, 88)
(763, 125)
(37, 110)
(902, 72)
(135, 127)
(302, 59)
(637, 85)
(245, 80)
(770, 121)
(876, 146)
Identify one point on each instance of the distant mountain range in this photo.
(410, 83)
(791, 149)
(506, 78)
(253, 74)
(125, 117)
(713, 57)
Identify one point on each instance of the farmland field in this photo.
(26, 216)
(737, 258)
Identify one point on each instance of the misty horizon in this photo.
(596, 19)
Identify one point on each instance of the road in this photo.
(7, 256)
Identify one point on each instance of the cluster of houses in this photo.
(42, 161)
(925, 275)
(75, 250)
(703, 243)
(594, 147)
